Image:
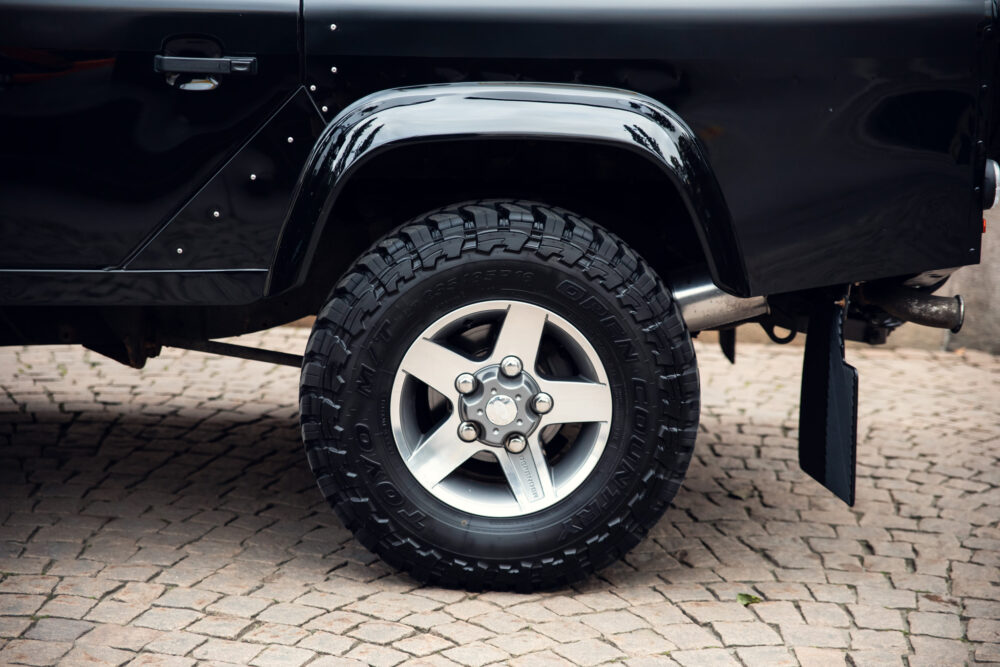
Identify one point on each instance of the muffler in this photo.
(919, 307)
(705, 306)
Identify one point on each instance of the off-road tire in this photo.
(499, 250)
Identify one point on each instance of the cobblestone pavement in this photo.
(168, 517)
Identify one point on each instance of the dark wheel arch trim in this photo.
(402, 117)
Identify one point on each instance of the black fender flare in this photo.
(398, 117)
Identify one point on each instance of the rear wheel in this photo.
(500, 394)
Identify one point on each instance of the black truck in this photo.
(509, 218)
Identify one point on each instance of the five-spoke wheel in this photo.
(541, 419)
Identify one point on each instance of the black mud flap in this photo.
(828, 413)
(727, 341)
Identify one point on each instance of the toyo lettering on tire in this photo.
(500, 394)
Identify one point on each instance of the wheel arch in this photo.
(415, 144)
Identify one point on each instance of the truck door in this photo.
(113, 113)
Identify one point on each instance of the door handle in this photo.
(207, 66)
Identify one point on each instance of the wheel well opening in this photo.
(616, 188)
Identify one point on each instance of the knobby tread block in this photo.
(491, 227)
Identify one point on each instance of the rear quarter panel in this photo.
(846, 135)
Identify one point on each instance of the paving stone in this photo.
(983, 630)
(426, 643)
(660, 613)
(613, 622)
(588, 652)
(177, 642)
(379, 656)
(238, 605)
(637, 642)
(379, 632)
(784, 613)
(166, 618)
(36, 584)
(275, 633)
(119, 613)
(117, 636)
(12, 626)
(282, 656)
(224, 650)
(988, 653)
(820, 657)
(742, 633)
(824, 613)
(57, 629)
(932, 651)
(96, 655)
(807, 635)
(138, 593)
(948, 626)
(20, 604)
(688, 636)
(706, 657)
(160, 660)
(876, 658)
(879, 640)
(187, 598)
(67, 606)
(875, 617)
(475, 654)
(331, 661)
(337, 622)
(31, 652)
(289, 614)
(227, 627)
(706, 612)
(462, 633)
(496, 621)
(89, 587)
(766, 656)
(325, 642)
(567, 631)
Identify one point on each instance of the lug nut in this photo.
(510, 366)
(467, 431)
(515, 443)
(542, 403)
(465, 383)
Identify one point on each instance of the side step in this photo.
(828, 410)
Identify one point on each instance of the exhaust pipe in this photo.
(705, 306)
(911, 305)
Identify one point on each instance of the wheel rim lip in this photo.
(460, 494)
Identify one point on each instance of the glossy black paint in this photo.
(846, 137)
(843, 133)
(392, 119)
(233, 221)
(97, 151)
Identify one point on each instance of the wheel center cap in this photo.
(501, 405)
(501, 410)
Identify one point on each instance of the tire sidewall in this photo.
(629, 360)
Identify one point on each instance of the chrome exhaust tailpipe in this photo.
(705, 306)
(919, 307)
